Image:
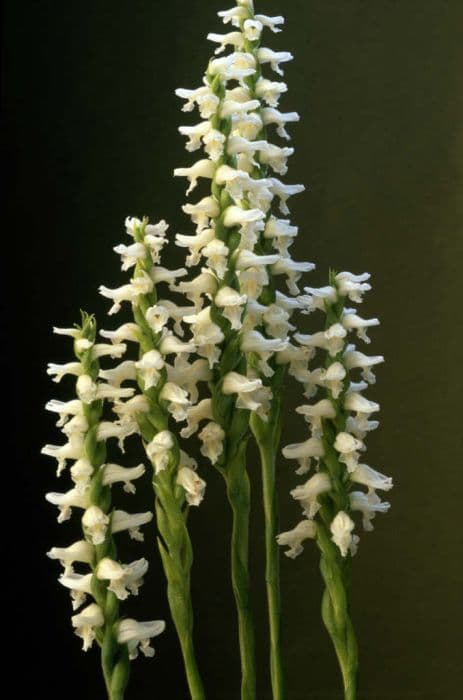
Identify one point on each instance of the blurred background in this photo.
(90, 137)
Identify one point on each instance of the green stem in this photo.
(335, 610)
(177, 560)
(267, 437)
(238, 492)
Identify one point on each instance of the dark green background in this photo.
(91, 125)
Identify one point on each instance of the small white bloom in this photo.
(202, 168)
(95, 523)
(253, 341)
(85, 623)
(331, 340)
(128, 331)
(276, 157)
(365, 475)
(80, 551)
(207, 335)
(236, 66)
(353, 286)
(59, 371)
(249, 221)
(341, 531)
(157, 317)
(81, 473)
(172, 345)
(281, 233)
(368, 504)
(304, 452)
(194, 486)
(252, 29)
(132, 224)
(271, 23)
(195, 134)
(66, 501)
(120, 431)
(73, 449)
(188, 375)
(235, 39)
(265, 55)
(317, 298)
(117, 375)
(305, 530)
(214, 142)
(276, 321)
(273, 116)
(195, 244)
(216, 253)
(76, 426)
(351, 321)
(130, 521)
(293, 271)
(201, 213)
(284, 191)
(231, 108)
(138, 634)
(123, 578)
(252, 281)
(204, 284)
(114, 473)
(177, 400)
(161, 274)
(235, 15)
(205, 99)
(140, 285)
(270, 91)
(354, 359)
(247, 258)
(357, 402)
(244, 387)
(308, 493)
(87, 389)
(212, 437)
(195, 414)
(232, 303)
(315, 413)
(71, 332)
(149, 367)
(298, 359)
(333, 379)
(130, 254)
(349, 448)
(65, 409)
(158, 450)
(79, 585)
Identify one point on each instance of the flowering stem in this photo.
(335, 609)
(174, 541)
(114, 656)
(238, 492)
(267, 436)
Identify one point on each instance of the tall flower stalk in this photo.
(109, 581)
(224, 382)
(339, 423)
(163, 398)
(244, 246)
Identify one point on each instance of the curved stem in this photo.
(267, 437)
(335, 611)
(238, 492)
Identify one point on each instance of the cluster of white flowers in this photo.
(173, 386)
(338, 422)
(92, 477)
(240, 242)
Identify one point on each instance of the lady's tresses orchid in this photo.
(108, 580)
(212, 362)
